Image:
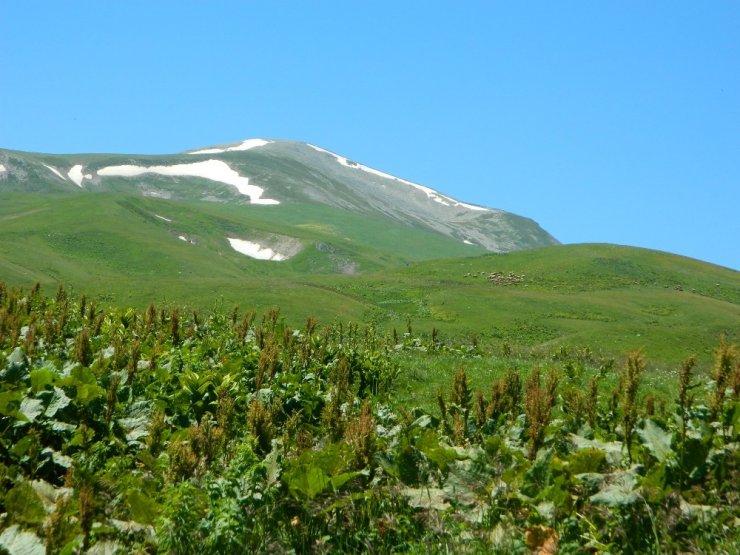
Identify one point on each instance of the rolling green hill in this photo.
(610, 298)
(134, 249)
(353, 243)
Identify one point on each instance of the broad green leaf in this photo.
(32, 408)
(84, 381)
(49, 494)
(307, 481)
(272, 466)
(423, 421)
(538, 476)
(58, 458)
(24, 505)
(142, 508)
(692, 510)
(20, 542)
(10, 402)
(388, 466)
(17, 357)
(136, 424)
(146, 458)
(67, 370)
(428, 443)
(613, 449)
(407, 462)
(696, 452)
(546, 509)
(82, 437)
(106, 547)
(614, 496)
(735, 420)
(131, 527)
(340, 479)
(464, 478)
(161, 374)
(472, 452)
(620, 490)
(59, 401)
(587, 460)
(57, 426)
(592, 481)
(80, 375)
(653, 484)
(41, 378)
(427, 498)
(657, 440)
(558, 494)
(89, 392)
(332, 459)
(22, 446)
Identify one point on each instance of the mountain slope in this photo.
(611, 298)
(125, 245)
(272, 173)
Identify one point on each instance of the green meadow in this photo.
(127, 251)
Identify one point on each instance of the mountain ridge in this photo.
(265, 171)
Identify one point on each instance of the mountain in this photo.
(284, 224)
(269, 174)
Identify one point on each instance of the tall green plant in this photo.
(539, 400)
(724, 364)
(685, 402)
(630, 383)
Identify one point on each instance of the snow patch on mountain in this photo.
(157, 194)
(2, 168)
(214, 170)
(162, 218)
(55, 171)
(255, 250)
(431, 193)
(244, 145)
(75, 174)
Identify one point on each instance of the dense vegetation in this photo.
(161, 431)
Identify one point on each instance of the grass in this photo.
(611, 298)
(425, 372)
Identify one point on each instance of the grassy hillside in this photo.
(128, 250)
(613, 299)
(609, 297)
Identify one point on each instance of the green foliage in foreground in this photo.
(161, 432)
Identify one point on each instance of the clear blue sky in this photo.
(604, 121)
